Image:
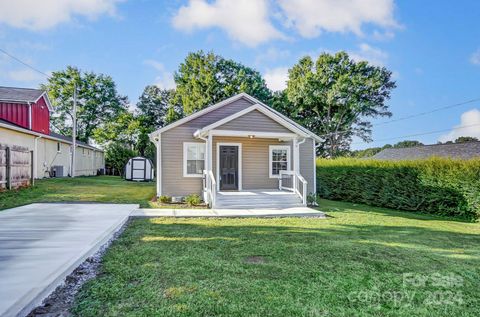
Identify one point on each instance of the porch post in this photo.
(296, 165)
(209, 152)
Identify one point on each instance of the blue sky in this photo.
(433, 47)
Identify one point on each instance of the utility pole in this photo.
(74, 132)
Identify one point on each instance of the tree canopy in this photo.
(368, 152)
(203, 79)
(464, 139)
(98, 101)
(407, 143)
(335, 97)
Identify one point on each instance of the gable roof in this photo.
(466, 150)
(255, 107)
(23, 95)
(225, 102)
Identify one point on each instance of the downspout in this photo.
(29, 115)
(35, 156)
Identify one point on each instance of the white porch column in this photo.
(296, 163)
(209, 152)
(159, 165)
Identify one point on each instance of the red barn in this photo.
(27, 108)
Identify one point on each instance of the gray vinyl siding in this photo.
(173, 182)
(254, 121)
(255, 161)
(307, 164)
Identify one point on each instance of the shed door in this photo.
(138, 169)
(228, 167)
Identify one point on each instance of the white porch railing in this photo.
(296, 180)
(209, 188)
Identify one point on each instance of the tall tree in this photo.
(98, 101)
(153, 106)
(336, 97)
(124, 130)
(205, 78)
(156, 108)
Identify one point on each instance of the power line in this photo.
(419, 114)
(428, 112)
(24, 63)
(420, 134)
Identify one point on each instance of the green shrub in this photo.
(193, 200)
(437, 186)
(312, 199)
(165, 199)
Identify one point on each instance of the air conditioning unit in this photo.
(57, 171)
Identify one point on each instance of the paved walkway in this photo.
(40, 244)
(286, 212)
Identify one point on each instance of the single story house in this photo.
(25, 121)
(465, 150)
(240, 149)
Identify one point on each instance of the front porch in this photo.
(253, 170)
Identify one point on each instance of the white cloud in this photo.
(370, 54)
(475, 58)
(25, 75)
(470, 120)
(245, 21)
(164, 79)
(45, 14)
(312, 17)
(276, 78)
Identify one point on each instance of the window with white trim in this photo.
(193, 159)
(279, 159)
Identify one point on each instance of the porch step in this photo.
(258, 199)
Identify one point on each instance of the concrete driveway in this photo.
(40, 244)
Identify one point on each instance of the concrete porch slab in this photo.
(286, 212)
(40, 244)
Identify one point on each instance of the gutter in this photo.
(29, 115)
(35, 156)
(45, 136)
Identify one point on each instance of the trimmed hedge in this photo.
(437, 186)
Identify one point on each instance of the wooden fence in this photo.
(16, 167)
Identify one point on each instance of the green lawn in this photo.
(80, 189)
(352, 264)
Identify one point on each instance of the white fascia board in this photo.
(227, 101)
(47, 100)
(197, 114)
(313, 135)
(259, 108)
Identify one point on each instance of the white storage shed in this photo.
(139, 169)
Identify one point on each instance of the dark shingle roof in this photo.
(20, 94)
(69, 139)
(453, 150)
(53, 135)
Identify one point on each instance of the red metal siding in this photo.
(40, 117)
(16, 113)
